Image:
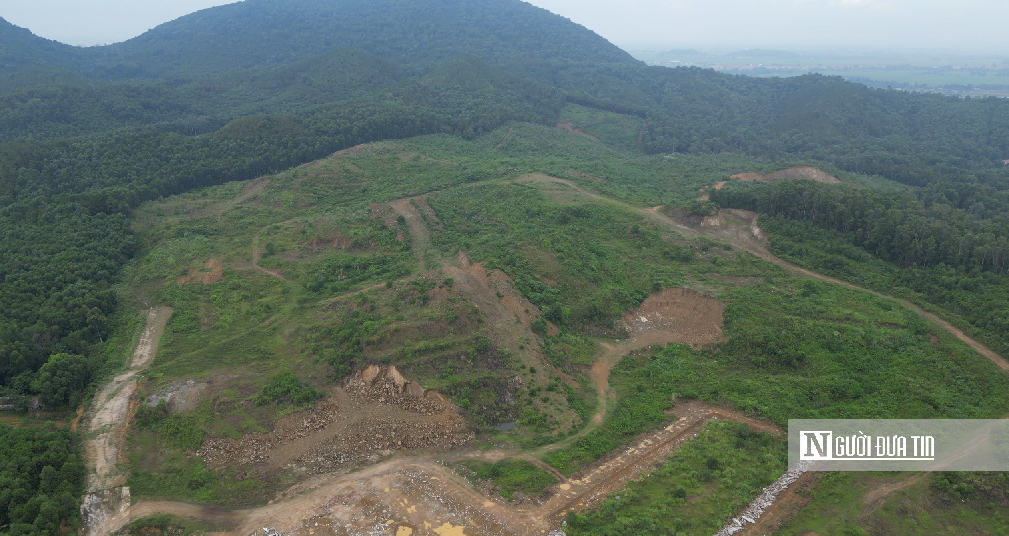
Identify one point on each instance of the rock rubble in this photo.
(763, 501)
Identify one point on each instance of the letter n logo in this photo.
(816, 445)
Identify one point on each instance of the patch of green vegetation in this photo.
(509, 476)
(183, 478)
(806, 349)
(181, 431)
(695, 490)
(165, 525)
(918, 505)
(612, 129)
(287, 388)
(604, 259)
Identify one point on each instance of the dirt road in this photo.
(419, 232)
(744, 233)
(106, 429)
(419, 493)
(107, 426)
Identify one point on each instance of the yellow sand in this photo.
(449, 530)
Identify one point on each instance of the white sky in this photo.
(981, 25)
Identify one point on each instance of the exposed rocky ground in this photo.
(374, 412)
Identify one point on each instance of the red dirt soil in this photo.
(211, 273)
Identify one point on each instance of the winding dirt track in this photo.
(258, 254)
(443, 497)
(752, 244)
(751, 239)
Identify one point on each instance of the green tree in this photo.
(60, 382)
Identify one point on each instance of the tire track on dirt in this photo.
(419, 232)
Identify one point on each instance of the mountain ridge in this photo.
(258, 34)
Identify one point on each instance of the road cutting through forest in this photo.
(416, 494)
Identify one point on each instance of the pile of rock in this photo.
(386, 385)
(370, 438)
(256, 448)
(763, 501)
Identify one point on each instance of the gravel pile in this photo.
(385, 385)
(256, 448)
(371, 438)
(763, 501)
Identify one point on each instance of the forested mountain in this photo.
(19, 48)
(258, 34)
(244, 90)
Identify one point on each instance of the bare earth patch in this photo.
(373, 412)
(211, 273)
(677, 315)
(805, 173)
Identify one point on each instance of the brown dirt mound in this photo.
(678, 315)
(211, 273)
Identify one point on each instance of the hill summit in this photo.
(258, 34)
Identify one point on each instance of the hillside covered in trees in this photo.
(88, 135)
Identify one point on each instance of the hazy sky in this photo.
(960, 24)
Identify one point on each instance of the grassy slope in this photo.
(797, 347)
(242, 331)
